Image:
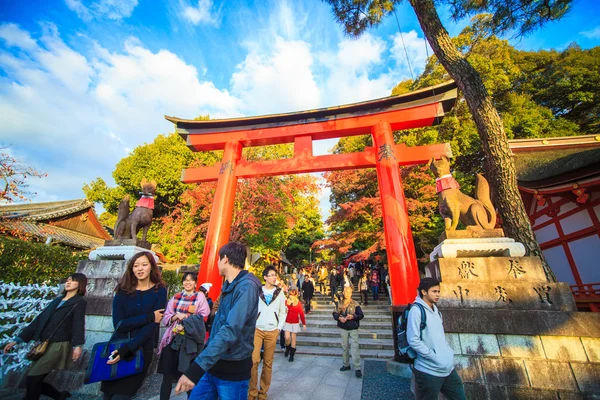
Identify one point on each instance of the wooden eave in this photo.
(556, 164)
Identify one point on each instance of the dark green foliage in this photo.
(31, 262)
(173, 281)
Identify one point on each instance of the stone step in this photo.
(377, 344)
(366, 311)
(354, 294)
(362, 333)
(368, 317)
(331, 323)
(337, 352)
(379, 303)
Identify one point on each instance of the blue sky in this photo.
(82, 82)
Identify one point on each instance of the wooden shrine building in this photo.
(70, 223)
(559, 180)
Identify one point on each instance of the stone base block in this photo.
(117, 253)
(128, 242)
(471, 234)
(507, 295)
(482, 247)
(522, 322)
(486, 269)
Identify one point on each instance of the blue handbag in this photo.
(98, 370)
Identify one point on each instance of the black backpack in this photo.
(407, 354)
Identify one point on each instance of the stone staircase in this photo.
(323, 336)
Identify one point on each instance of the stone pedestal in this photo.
(480, 247)
(128, 242)
(514, 335)
(117, 253)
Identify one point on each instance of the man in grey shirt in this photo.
(434, 366)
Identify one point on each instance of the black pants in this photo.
(35, 387)
(307, 304)
(429, 386)
(363, 294)
(333, 291)
(117, 397)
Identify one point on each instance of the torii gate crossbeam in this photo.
(377, 117)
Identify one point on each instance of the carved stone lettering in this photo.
(466, 269)
(115, 267)
(502, 295)
(461, 294)
(543, 293)
(515, 269)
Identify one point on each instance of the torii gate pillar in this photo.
(219, 226)
(399, 246)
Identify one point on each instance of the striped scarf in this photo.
(183, 302)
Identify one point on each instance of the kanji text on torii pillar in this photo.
(379, 118)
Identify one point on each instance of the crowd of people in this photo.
(213, 349)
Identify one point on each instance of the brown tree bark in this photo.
(499, 165)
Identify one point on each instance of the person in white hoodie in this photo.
(271, 318)
(434, 366)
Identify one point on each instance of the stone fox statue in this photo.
(128, 225)
(475, 213)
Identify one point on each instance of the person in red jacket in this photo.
(295, 314)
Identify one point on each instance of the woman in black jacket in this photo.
(138, 308)
(62, 323)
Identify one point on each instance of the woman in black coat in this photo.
(62, 323)
(138, 308)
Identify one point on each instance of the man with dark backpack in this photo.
(434, 364)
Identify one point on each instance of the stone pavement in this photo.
(309, 377)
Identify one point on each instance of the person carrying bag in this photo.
(138, 308)
(60, 333)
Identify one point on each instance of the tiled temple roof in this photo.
(35, 219)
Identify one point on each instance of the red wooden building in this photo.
(559, 180)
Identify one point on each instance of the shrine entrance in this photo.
(379, 118)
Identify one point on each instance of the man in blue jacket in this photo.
(223, 369)
(434, 366)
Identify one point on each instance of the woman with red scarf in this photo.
(184, 318)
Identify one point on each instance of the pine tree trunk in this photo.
(499, 165)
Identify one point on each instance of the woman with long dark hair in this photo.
(138, 308)
(184, 337)
(62, 324)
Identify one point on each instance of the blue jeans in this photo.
(375, 289)
(210, 388)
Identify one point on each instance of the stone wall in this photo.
(527, 366)
(515, 335)
(507, 367)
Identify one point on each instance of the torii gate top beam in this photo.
(416, 109)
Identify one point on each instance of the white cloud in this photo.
(203, 13)
(278, 79)
(15, 37)
(74, 116)
(111, 9)
(592, 33)
(349, 73)
(416, 48)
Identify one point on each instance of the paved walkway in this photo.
(309, 377)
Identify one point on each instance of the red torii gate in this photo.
(378, 117)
